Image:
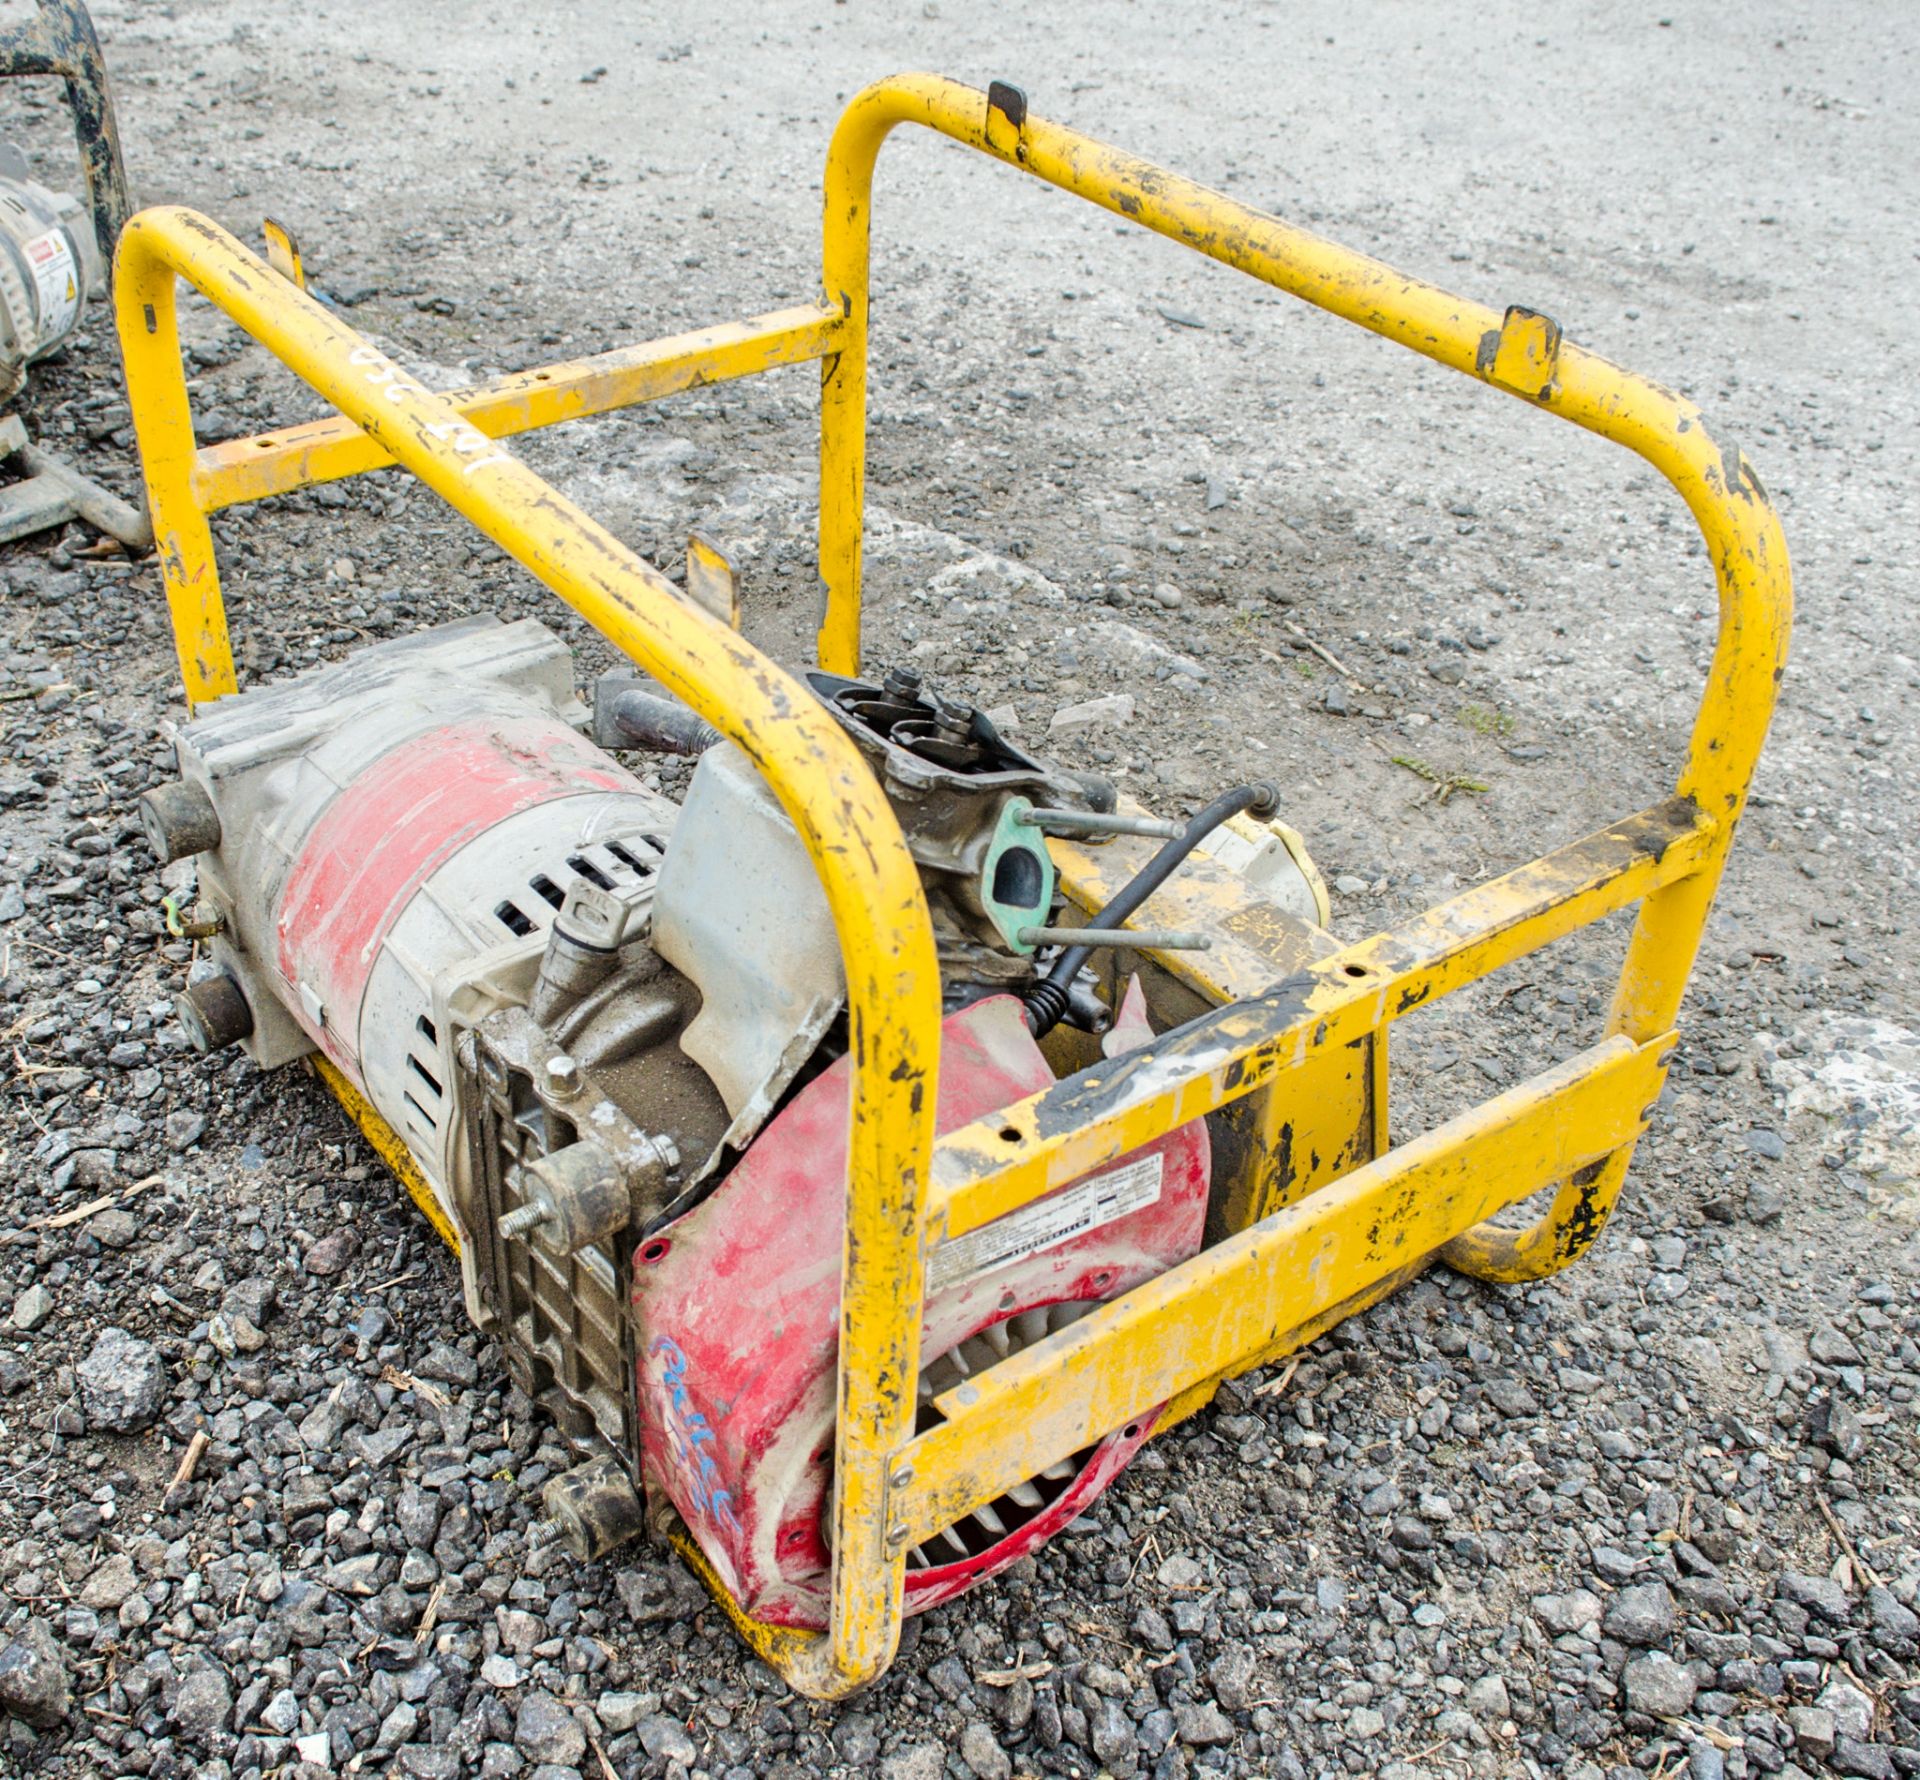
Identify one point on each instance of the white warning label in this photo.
(57, 279)
(1086, 1205)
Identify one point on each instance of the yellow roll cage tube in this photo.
(1282, 1278)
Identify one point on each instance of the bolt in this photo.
(667, 1150)
(524, 1218)
(563, 1077)
(897, 1533)
(902, 1477)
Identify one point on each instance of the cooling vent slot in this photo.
(424, 1095)
(615, 866)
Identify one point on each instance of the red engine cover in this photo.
(738, 1316)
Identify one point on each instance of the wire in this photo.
(1046, 1002)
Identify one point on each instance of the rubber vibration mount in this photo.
(214, 1013)
(593, 1508)
(179, 820)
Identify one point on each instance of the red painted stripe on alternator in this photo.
(391, 828)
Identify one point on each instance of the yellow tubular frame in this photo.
(872, 887)
(1265, 1288)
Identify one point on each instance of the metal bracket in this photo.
(283, 251)
(1006, 115)
(713, 583)
(1522, 355)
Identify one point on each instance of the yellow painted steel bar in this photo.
(988, 1168)
(871, 884)
(1226, 1309)
(252, 469)
(1520, 352)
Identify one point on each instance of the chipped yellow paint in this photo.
(1234, 1304)
(1671, 868)
(871, 885)
(995, 1165)
(779, 1647)
(1264, 1288)
(238, 470)
(1307, 1125)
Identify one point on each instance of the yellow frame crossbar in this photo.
(1263, 1289)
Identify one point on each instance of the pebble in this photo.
(666, 1740)
(1230, 1675)
(918, 1761)
(330, 1255)
(1831, 1348)
(1658, 1686)
(123, 1382)
(1203, 1726)
(1571, 1612)
(281, 1714)
(1642, 1615)
(1868, 1761)
(1487, 1698)
(619, 1711)
(1851, 1710)
(110, 1584)
(114, 1228)
(545, 1731)
(32, 1309)
(34, 1684)
(1820, 1593)
(202, 1705)
(1109, 708)
(985, 1759)
(1181, 1571)
(448, 1365)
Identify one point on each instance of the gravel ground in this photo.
(1657, 1516)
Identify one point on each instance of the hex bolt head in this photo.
(563, 1077)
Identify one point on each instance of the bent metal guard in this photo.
(1282, 1278)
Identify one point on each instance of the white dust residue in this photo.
(1861, 1077)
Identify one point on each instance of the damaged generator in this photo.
(611, 1032)
(863, 1156)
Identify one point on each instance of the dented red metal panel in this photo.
(391, 828)
(738, 1309)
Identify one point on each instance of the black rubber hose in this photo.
(1047, 1000)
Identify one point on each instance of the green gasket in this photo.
(1017, 878)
